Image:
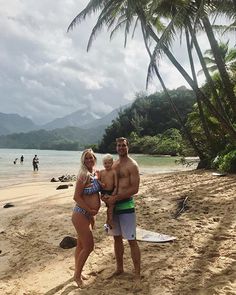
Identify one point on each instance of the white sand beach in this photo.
(201, 261)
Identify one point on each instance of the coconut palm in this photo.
(228, 55)
(122, 14)
(194, 13)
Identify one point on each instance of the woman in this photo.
(87, 205)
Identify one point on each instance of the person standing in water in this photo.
(35, 163)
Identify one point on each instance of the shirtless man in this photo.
(124, 218)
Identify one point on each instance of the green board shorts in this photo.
(124, 225)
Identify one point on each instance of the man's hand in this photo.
(104, 198)
(110, 200)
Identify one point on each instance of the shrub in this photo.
(227, 162)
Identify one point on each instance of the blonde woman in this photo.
(87, 205)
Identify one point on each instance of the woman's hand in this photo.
(93, 212)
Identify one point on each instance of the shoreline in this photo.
(42, 176)
(201, 261)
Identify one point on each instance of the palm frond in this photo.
(106, 16)
(92, 7)
(117, 27)
(135, 26)
(226, 8)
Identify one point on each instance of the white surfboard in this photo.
(218, 174)
(151, 236)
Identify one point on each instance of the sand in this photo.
(201, 261)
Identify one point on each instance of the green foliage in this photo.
(227, 162)
(94, 147)
(168, 143)
(146, 117)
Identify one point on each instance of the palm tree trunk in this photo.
(201, 113)
(228, 128)
(228, 86)
(186, 131)
(207, 75)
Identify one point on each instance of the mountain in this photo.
(76, 119)
(107, 119)
(10, 123)
(83, 118)
(68, 138)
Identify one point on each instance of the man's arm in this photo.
(115, 176)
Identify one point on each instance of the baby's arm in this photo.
(115, 177)
(99, 176)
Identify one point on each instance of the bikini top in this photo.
(93, 188)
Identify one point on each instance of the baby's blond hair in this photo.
(107, 157)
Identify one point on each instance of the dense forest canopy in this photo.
(149, 115)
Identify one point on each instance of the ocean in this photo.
(57, 163)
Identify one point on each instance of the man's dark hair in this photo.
(120, 139)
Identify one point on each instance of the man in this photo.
(124, 218)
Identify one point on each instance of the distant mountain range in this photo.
(75, 119)
(68, 138)
(14, 123)
(73, 131)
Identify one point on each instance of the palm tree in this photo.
(124, 13)
(228, 54)
(182, 17)
(185, 129)
(199, 103)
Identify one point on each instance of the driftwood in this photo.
(182, 206)
(186, 162)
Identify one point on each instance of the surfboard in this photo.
(218, 174)
(151, 236)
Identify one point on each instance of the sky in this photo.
(46, 73)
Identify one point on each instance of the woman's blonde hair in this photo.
(84, 173)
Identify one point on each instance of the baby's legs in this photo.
(109, 221)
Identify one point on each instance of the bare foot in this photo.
(79, 282)
(83, 277)
(115, 274)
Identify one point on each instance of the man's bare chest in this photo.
(122, 172)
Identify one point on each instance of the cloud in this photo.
(46, 72)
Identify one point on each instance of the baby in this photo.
(109, 182)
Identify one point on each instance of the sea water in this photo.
(57, 163)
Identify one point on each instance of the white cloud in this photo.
(46, 72)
